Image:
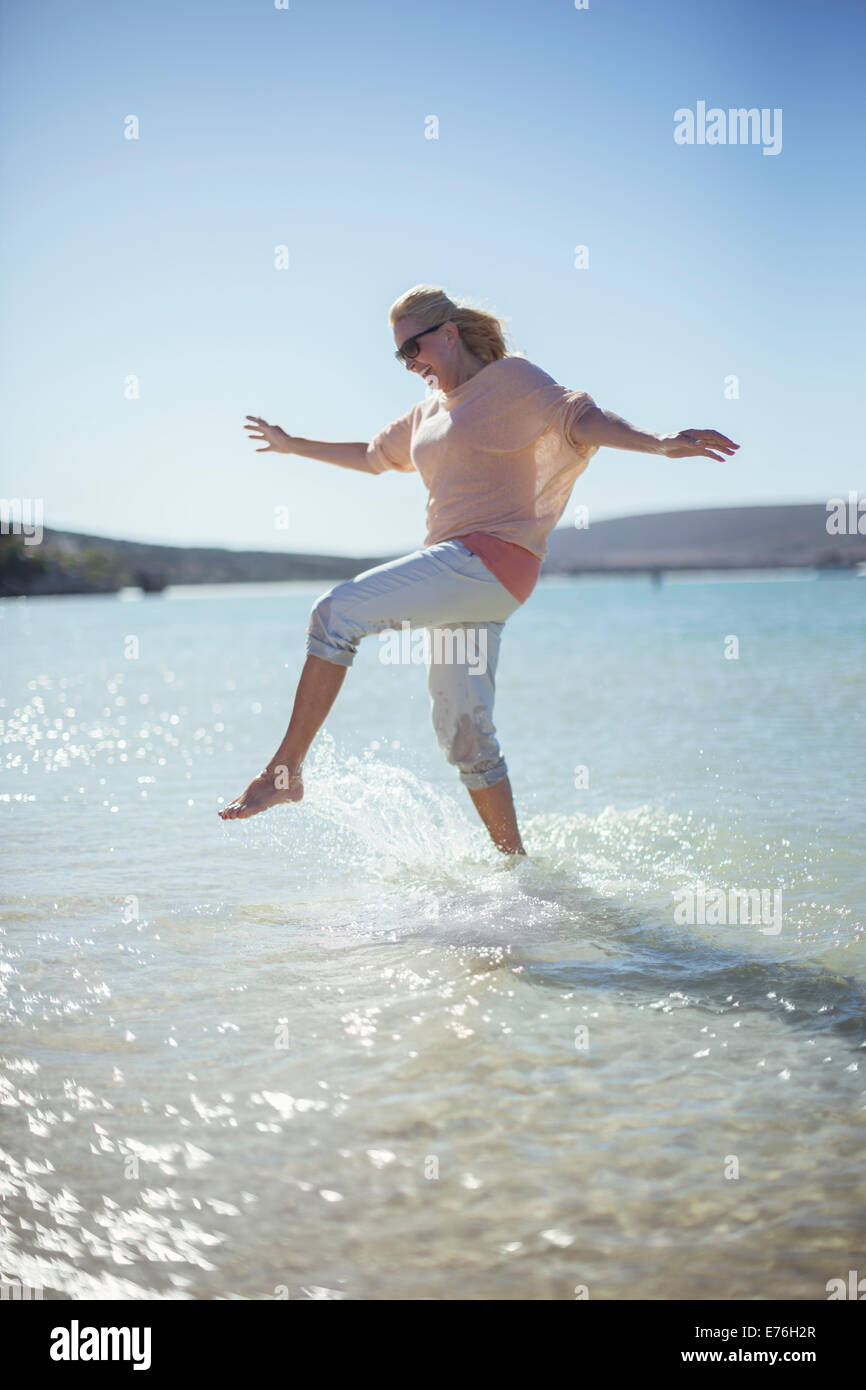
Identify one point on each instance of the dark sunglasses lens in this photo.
(410, 348)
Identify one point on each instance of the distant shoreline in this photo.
(718, 540)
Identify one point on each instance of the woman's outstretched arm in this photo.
(606, 430)
(351, 455)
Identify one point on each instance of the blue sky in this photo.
(259, 127)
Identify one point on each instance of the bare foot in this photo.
(271, 788)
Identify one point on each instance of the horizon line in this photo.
(249, 548)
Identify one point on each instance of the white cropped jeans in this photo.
(451, 593)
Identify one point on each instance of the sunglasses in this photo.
(410, 349)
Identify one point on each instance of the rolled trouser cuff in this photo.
(479, 777)
(331, 633)
(339, 656)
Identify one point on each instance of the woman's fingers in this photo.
(713, 440)
(260, 429)
(710, 444)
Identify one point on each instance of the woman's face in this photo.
(436, 357)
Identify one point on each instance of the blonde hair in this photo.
(483, 333)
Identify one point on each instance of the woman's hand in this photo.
(698, 444)
(278, 442)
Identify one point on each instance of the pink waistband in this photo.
(516, 568)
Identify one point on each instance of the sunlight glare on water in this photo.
(346, 1050)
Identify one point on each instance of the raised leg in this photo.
(280, 780)
(417, 589)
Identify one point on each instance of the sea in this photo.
(347, 1050)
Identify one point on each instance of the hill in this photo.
(717, 538)
(69, 562)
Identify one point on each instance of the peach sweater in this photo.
(495, 454)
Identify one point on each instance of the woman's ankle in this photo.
(282, 769)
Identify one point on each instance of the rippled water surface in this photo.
(344, 1049)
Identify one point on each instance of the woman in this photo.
(498, 444)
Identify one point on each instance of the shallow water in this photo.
(345, 1050)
